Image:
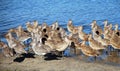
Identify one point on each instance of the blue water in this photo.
(17, 12)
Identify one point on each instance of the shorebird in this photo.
(57, 33)
(36, 27)
(82, 35)
(98, 38)
(55, 36)
(35, 24)
(39, 48)
(115, 41)
(94, 24)
(60, 45)
(21, 34)
(72, 38)
(7, 52)
(71, 28)
(103, 41)
(54, 26)
(10, 39)
(116, 30)
(107, 33)
(95, 34)
(14, 44)
(62, 32)
(74, 42)
(29, 27)
(106, 25)
(2, 44)
(87, 50)
(95, 44)
(58, 29)
(45, 28)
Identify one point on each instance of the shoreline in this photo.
(63, 64)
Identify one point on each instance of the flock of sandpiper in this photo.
(48, 39)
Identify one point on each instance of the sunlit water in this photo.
(17, 12)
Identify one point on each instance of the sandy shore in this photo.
(62, 64)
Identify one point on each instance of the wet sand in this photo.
(61, 64)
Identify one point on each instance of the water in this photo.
(17, 12)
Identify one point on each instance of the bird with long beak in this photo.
(115, 41)
(107, 33)
(71, 28)
(87, 50)
(21, 34)
(2, 44)
(35, 24)
(117, 31)
(95, 44)
(14, 44)
(29, 27)
(83, 36)
(45, 29)
(55, 26)
(94, 24)
(39, 48)
(7, 52)
(58, 46)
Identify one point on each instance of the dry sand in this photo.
(63, 64)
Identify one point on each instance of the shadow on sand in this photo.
(51, 56)
(21, 59)
(47, 57)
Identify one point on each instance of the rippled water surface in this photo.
(17, 12)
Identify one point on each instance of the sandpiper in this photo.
(29, 27)
(39, 48)
(94, 24)
(59, 46)
(115, 41)
(82, 35)
(14, 44)
(95, 44)
(116, 30)
(87, 50)
(71, 28)
(8, 52)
